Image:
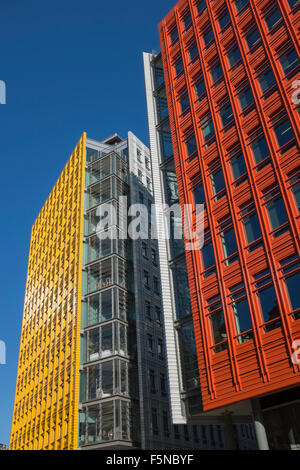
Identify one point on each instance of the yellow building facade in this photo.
(46, 401)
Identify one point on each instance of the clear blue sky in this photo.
(69, 67)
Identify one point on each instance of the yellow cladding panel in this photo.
(46, 400)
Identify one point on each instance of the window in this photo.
(184, 102)
(191, 145)
(150, 344)
(250, 222)
(208, 37)
(273, 18)
(158, 314)
(269, 307)
(289, 60)
(208, 257)
(240, 4)
(228, 240)
(259, 147)
(154, 421)
(217, 180)
(160, 349)
(208, 130)
(253, 39)
(293, 3)
(140, 176)
(224, 20)
(245, 98)
(292, 284)
(234, 55)
(284, 132)
(193, 52)
(146, 279)
(198, 193)
(148, 182)
(226, 114)
(152, 381)
(155, 284)
(217, 323)
(200, 89)
(139, 155)
(145, 250)
(166, 423)
(141, 198)
(294, 180)
(148, 309)
(187, 20)
(238, 166)
(266, 80)
(147, 163)
(153, 256)
(174, 35)
(275, 206)
(201, 5)
(240, 307)
(163, 384)
(216, 72)
(178, 67)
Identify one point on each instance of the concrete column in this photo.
(230, 438)
(260, 430)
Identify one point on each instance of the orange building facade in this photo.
(231, 69)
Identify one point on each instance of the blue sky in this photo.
(69, 67)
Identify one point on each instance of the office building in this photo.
(230, 70)
(92, 370)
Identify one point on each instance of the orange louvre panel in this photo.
(244, 126)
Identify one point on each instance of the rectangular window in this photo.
(284, 132)
(292, 285)
(201, 5)
(266, 80)
(293, 3)
(250, 222)
(224, 20)
(216, 72)
(234, 55)
(289, 60)
(268, 305)
(193, 52)
(208, 256)
(152, 381)
(158, 314)
(208, 130)
(208, 37)
(154, 421)
(140, 176)
(178, 66)
(198, 193)
(200, 89)
(150, 344)
(238, 166)
(275, 206)
(228, 241)
(184, 103)
(191, 145)
(240, 307)
(145, 250)
(217, 323)
(273, 17)
(187, 21)
(153, 256)
(294, 180)
(240, 4)
(226, 114)
(160, 349)
(260, 149)
(253, 38)
(245, 98)
(146, 279)
(166, 424)
(148, 309)
(174, 35)
(217, 180)
(163, 384)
